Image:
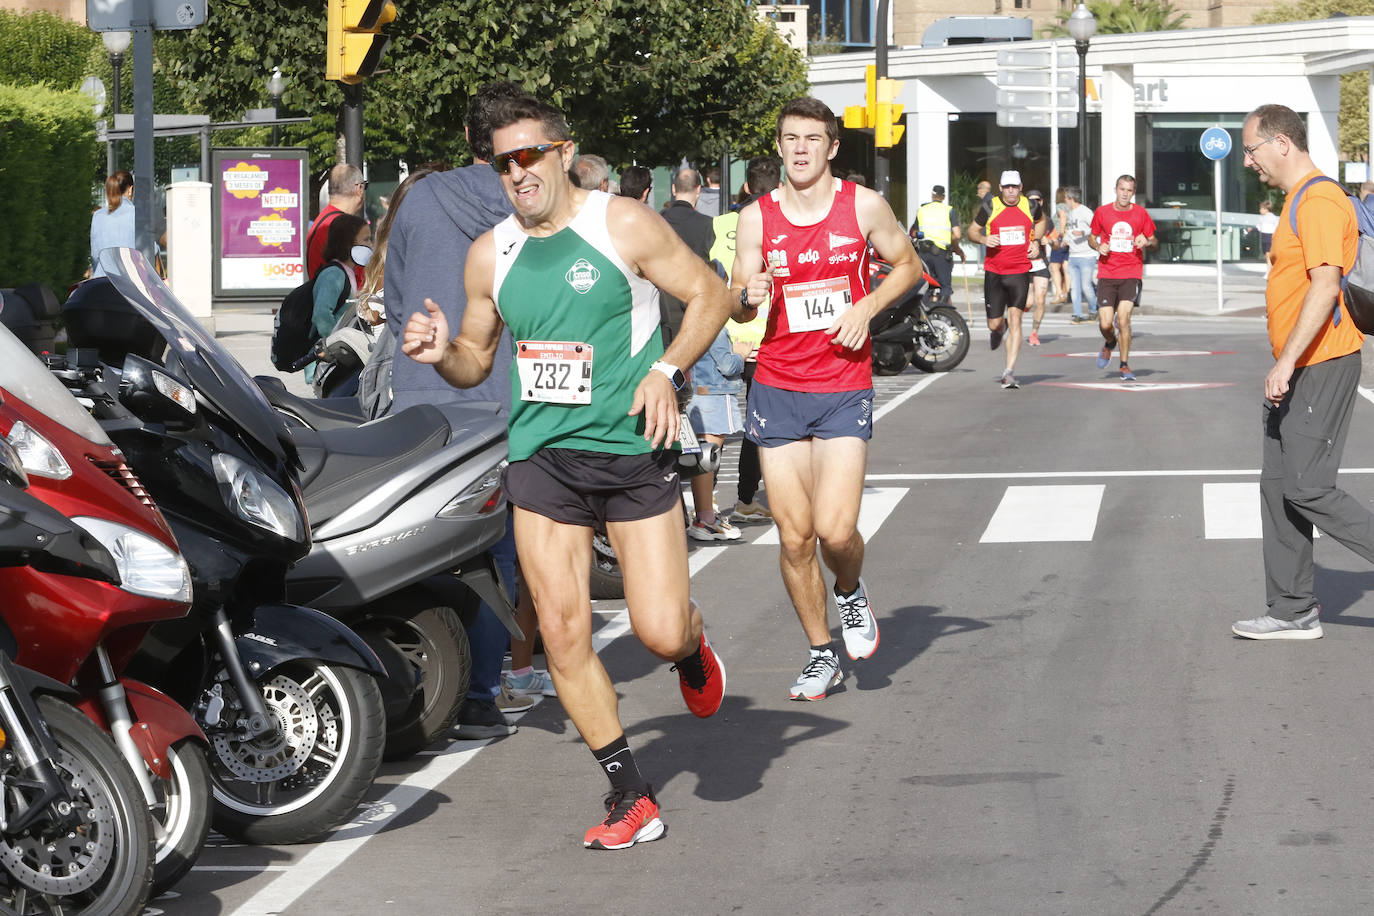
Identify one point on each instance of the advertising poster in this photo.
(261, 201)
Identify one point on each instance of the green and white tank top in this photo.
(585, 329)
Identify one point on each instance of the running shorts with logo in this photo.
(1112, 291)
(579, 487)
(1005, 291)
(778, 416)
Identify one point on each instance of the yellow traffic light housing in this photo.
(355, 43)
(887, 126)
(870, 95)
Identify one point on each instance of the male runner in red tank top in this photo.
(803, 250)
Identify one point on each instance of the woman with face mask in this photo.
(347, 248)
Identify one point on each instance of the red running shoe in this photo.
(631, 819)
(702, 682)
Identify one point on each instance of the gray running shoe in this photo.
(820, 674)
(1009, 380)
(1308, 626)
(857, 623)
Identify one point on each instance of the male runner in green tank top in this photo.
(594, 423)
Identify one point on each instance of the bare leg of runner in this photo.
(1013, 342)
(1124, 310)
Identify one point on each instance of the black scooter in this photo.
(908, 333)
(285, 694)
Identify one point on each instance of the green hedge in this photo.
(47, 155)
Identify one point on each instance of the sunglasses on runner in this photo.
(525, 156)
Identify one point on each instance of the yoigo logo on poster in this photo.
(274, 270)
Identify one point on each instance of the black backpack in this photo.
(293, 332)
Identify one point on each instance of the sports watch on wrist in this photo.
(673, 373)
(744, 297)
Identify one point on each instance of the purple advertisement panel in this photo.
(261, 199)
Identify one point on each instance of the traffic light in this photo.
(356, 44)
(887, 126)
(864, 115)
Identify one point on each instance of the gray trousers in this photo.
(1303, 440)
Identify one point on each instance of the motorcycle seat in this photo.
(340, 464)
(327, 413)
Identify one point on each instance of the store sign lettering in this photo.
(1152, 91)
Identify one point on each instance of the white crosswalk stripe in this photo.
(1058, 512)
(1230, 510)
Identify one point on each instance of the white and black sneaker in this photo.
(857, 623)
(820, 674)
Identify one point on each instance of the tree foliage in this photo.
(1127, 16)
(1352, 124)
(646, 81)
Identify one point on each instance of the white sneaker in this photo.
(857, 623)
(1308, 626)
(534, 684)
(820, 674)
(747, 513)
(720, 530)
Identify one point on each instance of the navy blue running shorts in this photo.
(580, 487)
(777, 416)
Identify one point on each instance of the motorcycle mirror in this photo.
(152, 395)
(12, 466)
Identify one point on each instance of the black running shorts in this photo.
(1112, 291)
(579, 487)
(1004, 291)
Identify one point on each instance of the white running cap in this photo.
(1010, 176)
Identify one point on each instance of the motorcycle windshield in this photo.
(215, 374)
(25, 377)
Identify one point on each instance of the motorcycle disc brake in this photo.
(282, 751)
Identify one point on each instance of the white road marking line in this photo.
(617, 627)
(911, 392)
(1366, 393)
(1081, 475)
(315, 865)
(877, 506)
(1046, 513)
(252, 868)
(1231, 510)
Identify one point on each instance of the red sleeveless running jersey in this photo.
(819, 272)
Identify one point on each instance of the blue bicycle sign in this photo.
(1215, 143)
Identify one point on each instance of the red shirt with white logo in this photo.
(1118, 228)
(819, 272)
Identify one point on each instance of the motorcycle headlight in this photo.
(257, 499)
(146, 565)
(37, 453)
(481, 497)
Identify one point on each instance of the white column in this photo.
(1369, 147)
(189, 247)
(1321, 140)
(1118, 127)
(927, 157)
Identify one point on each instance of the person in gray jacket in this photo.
(428, 247)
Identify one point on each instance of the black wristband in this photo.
(744, 297)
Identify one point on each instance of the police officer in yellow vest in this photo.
(939, 225)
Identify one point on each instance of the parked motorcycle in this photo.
(285, 693)
(341, 354)
(433, 507)
(75, 836)
(82, 631)
(908, 333)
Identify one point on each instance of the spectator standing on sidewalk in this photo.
(1311, 390)
(1122, 230)
(708, 204)
(347, 190)
(637, 181)
(1268, 222)
(693, 228)
(1082, 257)
(938, 224)
(590, 171)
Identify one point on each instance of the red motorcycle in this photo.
(82, 631)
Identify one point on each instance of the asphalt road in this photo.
(1057, 719)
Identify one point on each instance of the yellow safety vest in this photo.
(933, 220)
(723, 250)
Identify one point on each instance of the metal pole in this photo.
(724, 191)
(1082, 48)
(353, 124)
(881, 165)
(1054, 130)
(1216, 183)
(111, 163)
(144, 179)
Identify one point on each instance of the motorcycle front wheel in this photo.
(103, 866)
(944, 344)
(307, 775)
(181, 819)
(606, 581)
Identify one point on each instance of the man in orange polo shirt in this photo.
(1310, 392)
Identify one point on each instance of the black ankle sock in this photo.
(823, 648)
(617, 761)
(854, 591)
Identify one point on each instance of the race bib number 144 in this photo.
(814, 306)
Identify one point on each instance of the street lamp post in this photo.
(116, 43)
(1082, 27)
(276, 85)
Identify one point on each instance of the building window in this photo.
(848, 22)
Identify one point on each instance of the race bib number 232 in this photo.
(554, 372)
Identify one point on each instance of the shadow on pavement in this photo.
(904, 635)
(1339, 590)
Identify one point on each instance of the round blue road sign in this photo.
(1215, 143)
